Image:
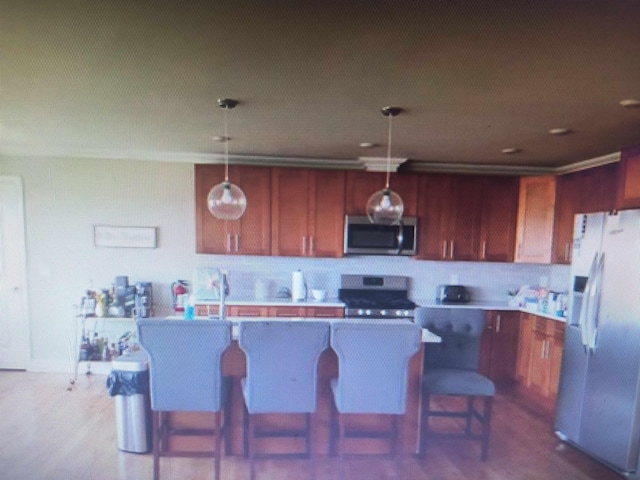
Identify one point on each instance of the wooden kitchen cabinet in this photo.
(498, 217)
(360, 185)
(203, 310)
(587, 191)
(449, 217)
(499, 346)
(536, 205)
(249, 235)
(629, 179)
(307, 212)
(306, 312)
(540, 359)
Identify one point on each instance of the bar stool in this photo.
(373, 359)
(282, 376)
(451, 370)
(185, 375)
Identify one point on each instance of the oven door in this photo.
(365, 238)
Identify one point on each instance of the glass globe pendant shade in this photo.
(226, 201)
(385, 207)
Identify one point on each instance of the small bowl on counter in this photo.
(318, 295)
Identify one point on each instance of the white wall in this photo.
(64, 199)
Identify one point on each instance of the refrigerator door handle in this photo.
(584, 306)
(594, 304)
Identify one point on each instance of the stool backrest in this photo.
(373, 364)
(282, 364)
(461, 332)
(185, 362)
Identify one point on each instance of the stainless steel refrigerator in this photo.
(598, 407)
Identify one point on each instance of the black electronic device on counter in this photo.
(452, 294)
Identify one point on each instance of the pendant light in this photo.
(385, 206)
(226, 201)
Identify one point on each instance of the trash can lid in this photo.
(136, 361)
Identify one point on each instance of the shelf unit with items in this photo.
(92, 335)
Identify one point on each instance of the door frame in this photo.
(23, 363)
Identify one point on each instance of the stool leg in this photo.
(252, 464)
(217, 455)
(425, 400)
(157, 427)
(245, 431)
(486, 427)
(467, 429)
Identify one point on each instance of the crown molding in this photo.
(361, 163)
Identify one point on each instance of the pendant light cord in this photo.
(226, 146)
(389, 153)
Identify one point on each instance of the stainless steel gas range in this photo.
(376, 296)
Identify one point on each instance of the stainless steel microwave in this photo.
(361, 237)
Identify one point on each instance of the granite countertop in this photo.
(490, 305)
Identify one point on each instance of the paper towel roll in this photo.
(298, 287)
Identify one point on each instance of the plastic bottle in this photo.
(190, 308)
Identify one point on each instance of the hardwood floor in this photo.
(49, 432)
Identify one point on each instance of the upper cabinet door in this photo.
(629, 180)
(360, 185)
(587, 191)
(499, 214)
(326, 203)
(307, 212)
(464, 218)
(432, 214)
(449, 216)
(250, 235)
(289, 211)
(535, 219)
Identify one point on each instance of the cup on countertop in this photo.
(318, 295)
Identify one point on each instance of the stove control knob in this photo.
(405, 313)
(383, 313)
(360, 311)
(398, 313)
(367, 312)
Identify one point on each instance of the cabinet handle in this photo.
(229, 242)
(544, 350)
(444, 249)
(484, 250)
(498, 324)
(325, 315)
(451, 250)
(237, 242)
(311, 245)
(566, 252)
(240, 314)
(304, 245)
(288, 315)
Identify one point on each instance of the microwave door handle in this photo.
(400, 238)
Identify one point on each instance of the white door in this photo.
(14, 326)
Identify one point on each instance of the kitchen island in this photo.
(234, 366)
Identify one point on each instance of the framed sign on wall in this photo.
(124, 237)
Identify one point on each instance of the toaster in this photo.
(452, 294)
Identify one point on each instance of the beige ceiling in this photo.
(140, 79)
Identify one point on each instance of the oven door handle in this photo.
(400, 238)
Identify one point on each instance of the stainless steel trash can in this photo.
(129, 384)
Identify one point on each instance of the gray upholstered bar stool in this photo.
(282, 378)
(186, 376)
(373, 362)
(451, 369)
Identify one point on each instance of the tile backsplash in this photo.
(487, 281)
